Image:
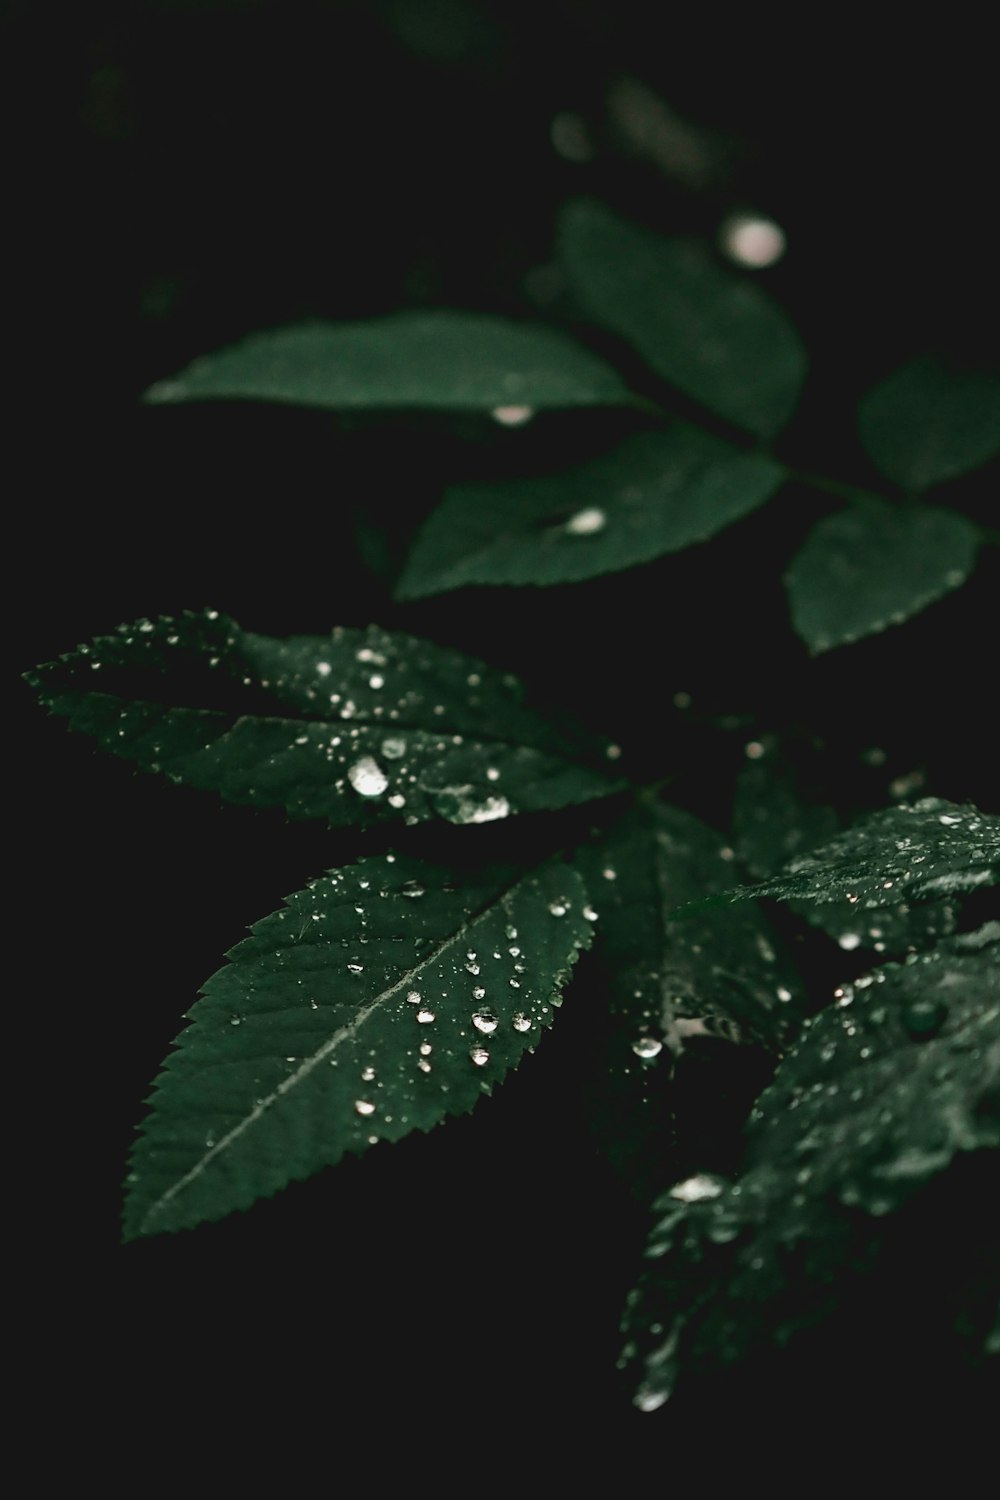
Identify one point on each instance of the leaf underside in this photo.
(878, 1096)
(383, 997)
(448, 360)
(707, 331)
(360, 726)
(656, 493)
(873, 565)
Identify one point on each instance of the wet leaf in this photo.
(709, 332)
(930, 421)
(656, 493)
(378, 1000)
(878, 1096)
(873, 565)
(358, 726)
(673, 975)
(931, 848)
(772, 821)
(452, 361)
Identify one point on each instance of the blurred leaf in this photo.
(709, 332)
(877, 1097)
(359, 726)
(452, 361)
(929, 422)
(656, 493)
(872, 565)
(378, 1000)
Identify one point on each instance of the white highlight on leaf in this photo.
(586, 522)
(367, 777)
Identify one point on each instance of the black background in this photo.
(233, 166)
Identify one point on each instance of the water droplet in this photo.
(485, 1022)
(355, 968)
(513, 416)
(472, 968)
(752, 241)
(364, 1107)
(376, 681)
(367, 777)
(647, 1046)
(393, 748)
(783, 994)
(424, 1016)
(558, 908)
(426, 1049)
(849, 940)
(514, 984)
(590, 914)
(478, 993)
(423, 1065)
(235, 1020)
(367, 1074)
(522, 1022)
(412, 889)
(697, 1188)
(754, 750)
(414, 997)
(948, 820)
(586, 522)
(480, 1056)
(397, 800)
(924, 1018)
(610, 874)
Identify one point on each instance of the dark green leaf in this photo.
(929, 422)
(872, 565)
(877, 1097)
(772, 823)
(451, 361)
(357, 726)
(656, 493)
(380, 999)
(673, 975)
(710, 333)
(932, 848)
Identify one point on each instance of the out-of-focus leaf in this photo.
(656, 493)
(873, 565)
(452, 361)
(380, 999)
(928, 422)
(707, 331)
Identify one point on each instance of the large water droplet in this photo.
(697, 1188)
(647, 1046)
(480, 1056)
(367, 777)
(586, 522)
(393, 748)
(522, 1022)
(924, 1017)
(485, 1022)
(364, 1107)
(414, 997)
(367, 1074)
(424, 1016)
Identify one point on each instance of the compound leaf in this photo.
(873, 565)
(656, 493)
(929, 421)
(707, 331)
(356, 727)
(383, 997)
(448, 360)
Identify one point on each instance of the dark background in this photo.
(240, 164)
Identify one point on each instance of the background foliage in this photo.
(244, 165)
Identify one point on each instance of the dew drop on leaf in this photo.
(485, 1022)
(364, 1107)
(480, 1056)
(367, 777)
(647, 1046)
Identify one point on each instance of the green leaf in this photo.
(452, 361)
(930, 849)
(712, 334)
(772, 822)
(878, 1096)
(873, 565)
(380, 999)
(656, 493)
(930, 421)
(356, 727)
(673, 974)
